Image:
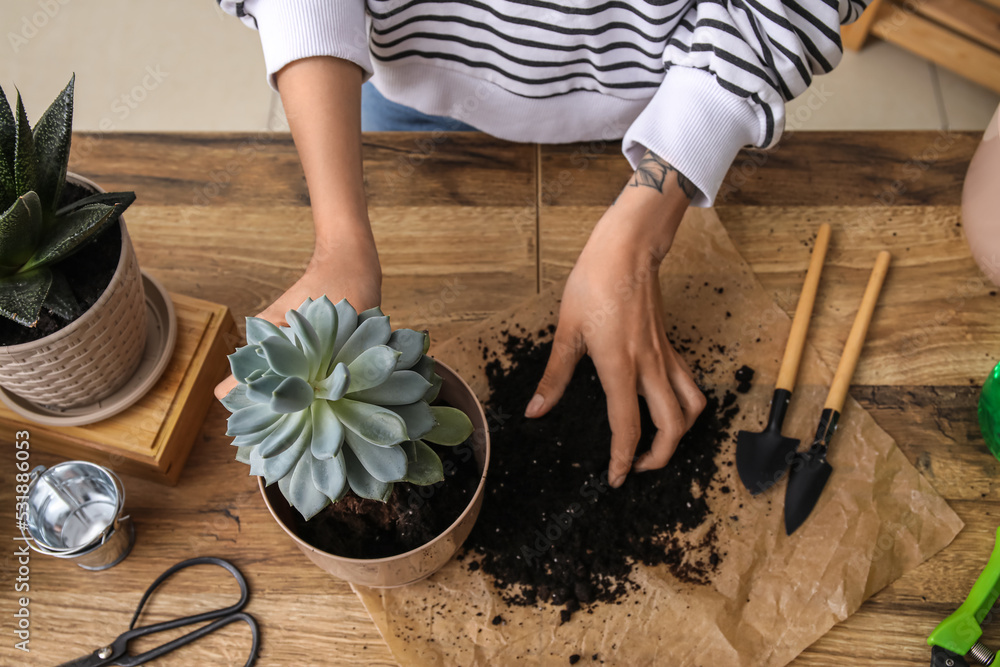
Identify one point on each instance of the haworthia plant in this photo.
(337, 400)
(36, 235)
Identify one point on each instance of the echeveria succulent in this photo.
(338, 401)
(35, 235)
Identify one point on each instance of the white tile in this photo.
(882, 87)
(182, 65)
(968, 106)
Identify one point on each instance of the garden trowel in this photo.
(810, 470)
(762, 458)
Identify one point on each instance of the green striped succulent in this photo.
(35, 235)
(337, 400)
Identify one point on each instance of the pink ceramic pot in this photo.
(425, 560)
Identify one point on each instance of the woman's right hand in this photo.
(351, 272)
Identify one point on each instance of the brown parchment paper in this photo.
(772, 595)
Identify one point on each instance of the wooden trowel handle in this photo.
(803, 312)
(856, 339)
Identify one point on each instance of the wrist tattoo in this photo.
(652, 172)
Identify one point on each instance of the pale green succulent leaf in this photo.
(275, 467)
(284, 358)
(306, 339)
(423, 464)
(20, 232)
(425, 367)
(322, 314)
(435, 388)
(258, 329)
(261, 389)
(243, 453)
(410, 344)
(418, 418)
(347, 323)
(371, 312)
(386, 464)
(303, 495)
(328, 432)
(22, 295)
(361, 481)
(453, 426)
(61, 299)
(245, 361)
(373, 331)
(51, 138)
(293, 395)
(24, 152)
(282, 437)
(330, 476)
(72, 231)
(236, 399)
(373, 423)
(333, 387)
(401, 388)
(250, 419)
(257, 437)
(372, 367)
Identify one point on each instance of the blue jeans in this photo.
(381, 115)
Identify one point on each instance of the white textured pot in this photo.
(94, 355)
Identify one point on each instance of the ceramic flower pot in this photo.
(981, 202)
(419, 563)
(94, 355)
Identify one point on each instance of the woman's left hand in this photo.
(612, 310)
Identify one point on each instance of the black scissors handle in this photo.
(223, 617)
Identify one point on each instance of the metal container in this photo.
(75, 512)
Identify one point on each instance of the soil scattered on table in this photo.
(356, 527)
(744, 375)
(551, 527)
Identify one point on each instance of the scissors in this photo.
(116, 653)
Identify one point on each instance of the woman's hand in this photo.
(322, 100)
(350, 272)
(612, 310)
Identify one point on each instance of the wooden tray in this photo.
(152, 439)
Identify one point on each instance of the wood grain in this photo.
(153, 437)
(458, 234)
(867, 170)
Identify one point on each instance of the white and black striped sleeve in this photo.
(731, 65)
(304, 28)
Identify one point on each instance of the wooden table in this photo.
(468, 225)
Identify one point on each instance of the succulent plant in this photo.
(338, 401)
(35, 235)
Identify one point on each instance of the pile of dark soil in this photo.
(356, 527)
(88, 271)
(552, 529)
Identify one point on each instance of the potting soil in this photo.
(414, 515)
(551, 528)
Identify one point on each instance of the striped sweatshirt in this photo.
(691, 80)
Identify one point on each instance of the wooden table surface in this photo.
(466, 226)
